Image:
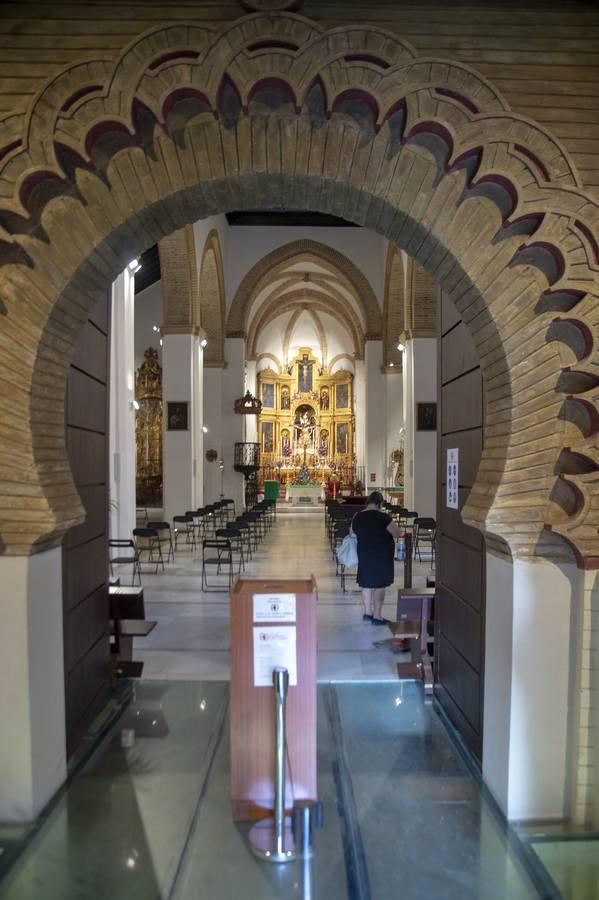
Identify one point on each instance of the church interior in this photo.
(267, 266)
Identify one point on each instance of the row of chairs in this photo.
(156, 542)
(234, 544)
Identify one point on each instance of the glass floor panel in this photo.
(573, 864)
(149, 815)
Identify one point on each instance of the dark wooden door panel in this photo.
(460, 604)
(86, 609)
(462, 402)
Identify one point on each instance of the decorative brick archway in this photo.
(272, 111)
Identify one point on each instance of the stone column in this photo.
(251, 384)
(375, 416)
(122, 412)
(530, 657)
(213, 439)
(420, 463)
(182, 449)
(234, 425)
(32, 709)
(393, 419)
(360, 414)
(182, 373)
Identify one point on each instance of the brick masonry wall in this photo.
(542, 56)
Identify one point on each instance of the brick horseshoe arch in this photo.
(275, 111)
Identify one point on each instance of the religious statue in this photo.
(285, 398)
(305, 427)
(304, 375)
(324, 398)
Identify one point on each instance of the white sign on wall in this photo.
(453, 478)
(274, 607)
(274, 647)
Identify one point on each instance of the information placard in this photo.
(453, 478)
(274, 607)
(274, 647)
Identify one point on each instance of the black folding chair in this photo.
(217, 552)
(165, 536)
(148, 542)
(425, 532)
(124, 559)
(184, 528)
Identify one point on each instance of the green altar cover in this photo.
(271, 490)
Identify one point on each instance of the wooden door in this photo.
(460, 604)
(85, 548)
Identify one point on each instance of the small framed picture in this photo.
(426, 417)
(176, 416)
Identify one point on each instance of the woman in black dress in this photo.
(376, 532)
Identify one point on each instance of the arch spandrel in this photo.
(470, 190)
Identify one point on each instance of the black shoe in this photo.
(380, 621)
(366, 618)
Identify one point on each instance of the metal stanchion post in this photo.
(407, 565)
(307, 815)
(272, 839)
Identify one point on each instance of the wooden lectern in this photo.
(252, 708)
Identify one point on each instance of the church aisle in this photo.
(192, 637)
(149, 816)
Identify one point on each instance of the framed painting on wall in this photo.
(426, 417)
(176, 416)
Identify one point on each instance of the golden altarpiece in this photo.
(148, 430)
(307, 420)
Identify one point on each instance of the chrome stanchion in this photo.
(307, 815)
(272, 839)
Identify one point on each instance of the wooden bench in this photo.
(127, 621)
(414, 613)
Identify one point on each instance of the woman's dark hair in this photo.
(376, 498)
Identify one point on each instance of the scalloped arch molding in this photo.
(274, 111)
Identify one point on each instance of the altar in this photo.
(305, 493)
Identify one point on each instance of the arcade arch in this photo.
(92, 181)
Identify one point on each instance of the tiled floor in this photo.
(191, 639)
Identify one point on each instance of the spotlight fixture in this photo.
(134, 266)
(156, 329)
(391, 365)
(204, 429)
(203, 343)
(161, 342)
(135, 404)
(401, 347)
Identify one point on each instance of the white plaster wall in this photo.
(248, 245)
(233, 424)
(148, 312)
(393, 422)
(360, 411)
(32, 711)
(530, 688)
(586, 763)
(213, 439)
(375, 417)
(424, 361)
(179, 447)
(122, 414)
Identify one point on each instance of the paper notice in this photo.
(274, 647)
(274, 607)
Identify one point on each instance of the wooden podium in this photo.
(252, 708)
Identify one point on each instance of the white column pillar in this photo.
(213, 439)
(375, 416)
(233, 423)
(360, 413)
(32, 710)
(251, 384)
(394, 421)
(182, 450)
(531, 609)
(420, 465)
(122, 413)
